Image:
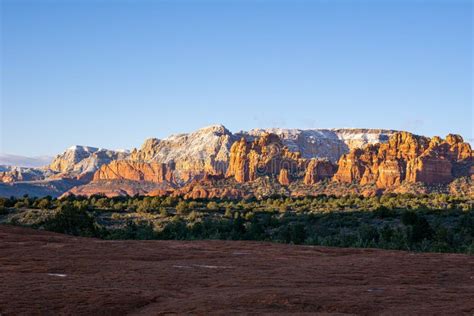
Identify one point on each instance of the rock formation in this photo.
(318, 170)
(119, 187)
(213, 162)
(80, 160)
(136, 171)
(264, 156)
(204, 151)
(283, 177)
(328, 144)
(407, 157)
(14, 174)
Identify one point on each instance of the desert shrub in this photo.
(3, 210)
(420, 229)
(116, 216)
(140, 231)
(292, 233)
(384, 212)
(193, 216)
(163, 212)
(174, 230)
(228, 213)
(433, 222)
(212, 206)
(43, 204)
(368, 233)
(20, 204)
(73, 221)
(182, 208)
(409, 218)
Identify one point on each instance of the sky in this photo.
(113, 73)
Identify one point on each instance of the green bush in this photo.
(132, 230)
(73, 221)
(433, 222)
(3, 210)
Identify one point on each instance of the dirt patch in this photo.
(47, 273)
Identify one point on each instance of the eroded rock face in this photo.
(318, 170)
(119, 187)
(283, 177)
(328, 144)
(80, 160)
(262, 162)
(15, 174)
(136, 171)
(407, 157)
(204, 151)
(209, 186)
(265, 155)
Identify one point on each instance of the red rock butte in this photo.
(213, 162)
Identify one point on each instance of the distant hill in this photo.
(23, 161)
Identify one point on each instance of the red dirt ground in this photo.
(46, 273)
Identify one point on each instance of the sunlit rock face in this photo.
(136, 171)
(213, 162)
(204, 151)
(264, 156)
(407, 157)
(318, 170)
(215, 150)
(80, 160)
(324, 143)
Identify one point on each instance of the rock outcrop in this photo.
(119, 187)
(136, 171)
(204, 151)
(407, 157)
(318, 170)
(213, 162)
(283, 177)
(328, 144)
(77, 161)
(16, 174)
(264, 156)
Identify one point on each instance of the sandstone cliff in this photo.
(407, 157)
(136, 171)
(264, 156)
(10, 174)
(318, 170)
(77, 161)
(204, 151)
(328, 144)
(260, 162)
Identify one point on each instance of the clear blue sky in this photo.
(112, 73)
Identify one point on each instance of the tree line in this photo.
(433, 222)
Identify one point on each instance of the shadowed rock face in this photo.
(120, 187)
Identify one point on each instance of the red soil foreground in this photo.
(47, 273)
